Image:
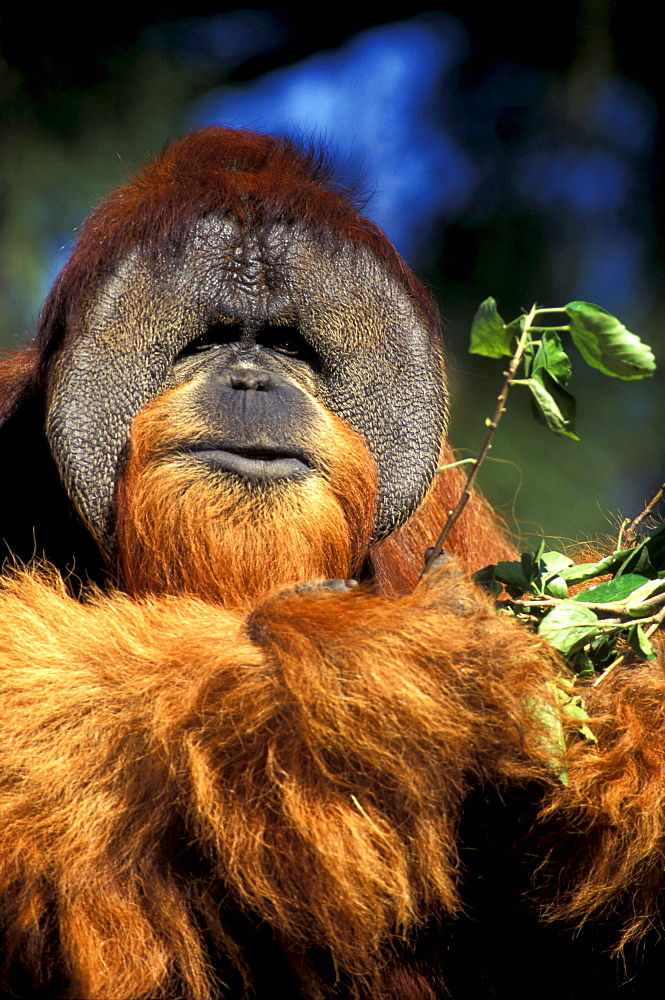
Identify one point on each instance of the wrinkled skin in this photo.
(227, 300)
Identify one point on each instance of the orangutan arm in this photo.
(314, 772)
(609, 823)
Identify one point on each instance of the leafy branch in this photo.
(525, 324)
(597, 627)
(586, 628)
(603, 342)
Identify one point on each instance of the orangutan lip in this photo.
(253, 462)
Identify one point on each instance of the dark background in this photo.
(503, 158)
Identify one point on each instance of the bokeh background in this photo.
(502, 158)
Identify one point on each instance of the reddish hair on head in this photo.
(216, 171)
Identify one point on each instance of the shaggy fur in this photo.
(477, 538)
(232, 773)
(306, 765)
(183, 532)
(300, 757)
(611, 819)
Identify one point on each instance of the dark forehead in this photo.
(263, 182)
(344, 299)
(268, 267)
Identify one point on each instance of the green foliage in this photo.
(606, 344)
(572, 710)
(490, 336)
(601, 339)
(569, 626)
(618, 610)
(596, 627)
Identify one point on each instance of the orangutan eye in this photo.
(282, 340)
(289, 341)
(287, 345)
(286, 340)
(217, 335)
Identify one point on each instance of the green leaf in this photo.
(486, 577)
(564, 400)
(606, 344)
(553, 738)
(555, 406)
(551, 564)
(622, 562)
(555, 562)
(489, 334)
(575, 709)
(557, 362)
(582, 572)
(530, 563)
(551, 719)
(613, 591)
(655, 546)
(549, 356)
(555, 586)
(602, 649)
(639, 643)
(582, 664)
(639, 605)
(538, 554)
(512, 575)
(636, 560)
(568, 626)
(536, 573)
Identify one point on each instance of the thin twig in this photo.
(453, 465)
(616, 608)
(628, 536)
(487, 443)
(620, 537)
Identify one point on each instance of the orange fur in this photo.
(611, 819)
(314, 756)
(217, 744)
(17, 372)
(476, 539)
(222, 758)
(216, 763)
(605, 832)
(180, 531)
(304, 757)
(312, 750)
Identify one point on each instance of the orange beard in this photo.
(184, 529)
